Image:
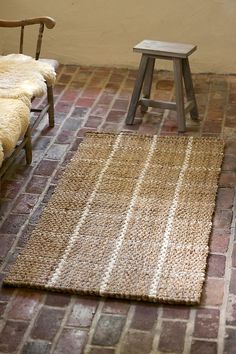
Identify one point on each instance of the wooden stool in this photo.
(152, 50)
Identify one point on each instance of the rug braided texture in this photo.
(130, 217)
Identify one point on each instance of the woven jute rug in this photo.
(130, 218)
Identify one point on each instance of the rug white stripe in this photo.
(170, 220)
(120, 239)
(52, 281)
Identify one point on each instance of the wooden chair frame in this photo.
(49, 107)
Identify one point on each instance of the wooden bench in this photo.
(25, 143)
(178, 53)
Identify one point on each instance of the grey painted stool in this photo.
(152, 50)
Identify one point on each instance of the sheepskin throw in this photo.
(21, 78)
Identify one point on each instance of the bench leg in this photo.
(51, 105)
(147, 86)
(137, 90)
(28, 147)
(189, 88)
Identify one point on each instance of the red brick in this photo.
(57, 300)
(206, 323)
(46, 168)
(101, 351)
(172, 337)
(56, 151)
(232, 285)
(13, 223)
(230, 341)
(93, 122)
(82, 312)
(85, 102)
(99, 110)
(213, 292)
(65, 137)
(222, 219)
(229, 163)
(72, 124)
(137, 343)
(36, 347)
(25, 203)
(174, 312)
(106, 98)
(145, 317)
(227, 179)
(24, 305)
(230, 146)
(200, 347)
(47, 324)
(9, 189)
(219, 241)
(62, 107)
(69, 95)
(71, 341)
(225, 198)
(108, 330)
(116, 307)
(121, 105)
(12, 335)
(42, 143)
(36, 185)
(6, 242)
(115, 116)
(91, 92)
(216, 265)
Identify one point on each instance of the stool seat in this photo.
(177, 50)
(178, 53)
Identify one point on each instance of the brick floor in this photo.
(33, 322)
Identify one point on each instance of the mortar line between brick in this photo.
(93, 326)
(189, 332)
(63, 323)
(126, 327)
(158, 327)
(228, 263)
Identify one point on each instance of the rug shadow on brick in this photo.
(130, 218)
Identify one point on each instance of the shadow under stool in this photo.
(178, 53)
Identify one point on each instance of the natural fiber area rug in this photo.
(130, 218)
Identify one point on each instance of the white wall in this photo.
(103, 32)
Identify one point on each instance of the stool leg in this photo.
(137, 90)
(188, 83)
(179, 93)
(148, 82)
